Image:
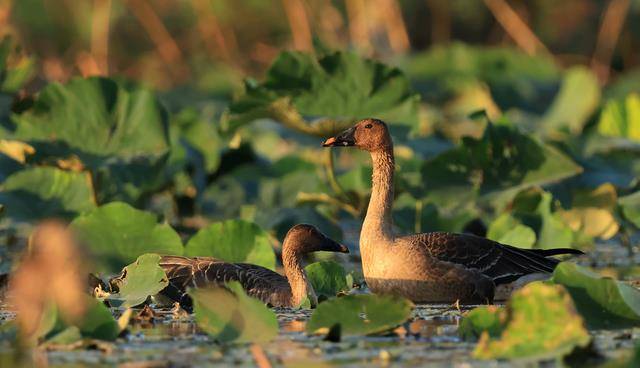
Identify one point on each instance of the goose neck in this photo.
(297, 278)
(378, 222)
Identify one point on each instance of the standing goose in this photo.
(259, 282)
(430, 267)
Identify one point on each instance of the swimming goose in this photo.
(259, 282)
(430, 267)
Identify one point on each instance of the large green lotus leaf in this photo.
(119, 133)
(577, 100)
(631, 207)
(539, 322)
(360, 314)
(229, 315)
(328, 278)
(621, 118)
(45, 192)
(233, 241)
(198, 135)
(117, 234)
(139, 280)
(504, 159)
(507, 230)
(602, 301)
(337, 88)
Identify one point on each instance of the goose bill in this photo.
(344, 139)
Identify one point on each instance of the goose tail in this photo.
(557, 251)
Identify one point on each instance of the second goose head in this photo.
(368, 134)
(304, 238)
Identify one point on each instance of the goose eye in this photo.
(368, 126)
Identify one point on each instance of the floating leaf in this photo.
(117, 234)
(360, 314)
(576, 101)
(602, 301)
(328, 278)
(44, 192)
(233, 241)
(119, 133)
(621, 118)
(229, 315)
(339, 88)
(507, 230)
(479, 320)
(139, 280)
(538, 322)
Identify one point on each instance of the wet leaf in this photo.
(117, 234)
(44, 192)
(229, 315)
(507, 230)
(233, 241)
(602, 301)
(328, 278)
(539, 322)
(139, 280)
(360, 314)
(621, 118)
(337, 88)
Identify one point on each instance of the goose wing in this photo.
(500, 262)
(183, 272)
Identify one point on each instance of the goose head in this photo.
(368, 134)
(304, 238)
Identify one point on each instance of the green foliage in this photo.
(539, 322)
(37, 193)
(630, 205)
(621, 118)
(504, 159)
(603, 302)
(117, 234)
(328, 278)
(233, 241)
(576, 101)
(229, 315)
(360, 314)
(338, 88)
(120, 134)
(16, 69)
(481, 319)
(139, 280)
(507, 230)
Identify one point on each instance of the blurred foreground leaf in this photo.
(602, 301)
(631, 207)
(229, 315)
(45, 192)
(117, 234)
(507, 230)
(360, 314)
(336, 89)
(539, 322)
(328, 278)
(139, 280)
(233, 241)
(621, 118)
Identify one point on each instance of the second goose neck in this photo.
(297, 278)
(378, 222)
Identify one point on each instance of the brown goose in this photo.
(259, 282)
(430, 267)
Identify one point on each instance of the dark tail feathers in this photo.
(557, 251)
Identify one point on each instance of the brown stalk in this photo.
(358, 28)
(610, 28)
(515, 27)
(440, 20)
(166, 46)
(100, 35)
(299, 24)
(209, 27)
(391, 17)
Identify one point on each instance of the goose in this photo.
(259, 282)
(436, 267)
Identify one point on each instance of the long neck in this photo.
(300, 286)
(378, 222)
